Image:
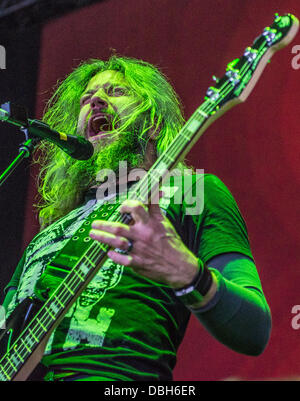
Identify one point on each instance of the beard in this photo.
(108, 154)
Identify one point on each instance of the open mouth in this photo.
(99, 124)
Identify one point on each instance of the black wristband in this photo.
(198, 288)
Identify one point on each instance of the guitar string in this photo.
(34, 332)
(181, 139)
(67, 292)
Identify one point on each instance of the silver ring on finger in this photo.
(125, 251)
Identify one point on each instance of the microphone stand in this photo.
(26, 148)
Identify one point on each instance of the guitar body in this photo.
(72, 269)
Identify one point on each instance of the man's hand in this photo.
(158, 252)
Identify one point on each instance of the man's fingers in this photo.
(110, 239)
(154, 210)
(138, 211)
(131, 259)
(120, 258)
(111, 227)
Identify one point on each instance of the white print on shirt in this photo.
(82, 324)
(43, 248)
(83, 328)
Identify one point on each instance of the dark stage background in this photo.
(254, 148)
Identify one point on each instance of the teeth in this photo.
(101, 123)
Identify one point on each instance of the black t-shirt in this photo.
(124, 326)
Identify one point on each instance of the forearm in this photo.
(238, 317)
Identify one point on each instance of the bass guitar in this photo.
(31, 324)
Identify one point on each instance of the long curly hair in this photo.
(62, 180)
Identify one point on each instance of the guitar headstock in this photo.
(242, 74)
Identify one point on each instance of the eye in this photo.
(116, 91)
(84, 99)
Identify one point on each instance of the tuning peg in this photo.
(216, 79)
(233, 63)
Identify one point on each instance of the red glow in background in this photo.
(254, 148)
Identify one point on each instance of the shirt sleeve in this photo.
(238, 315)
(221, 228)
(207, 217)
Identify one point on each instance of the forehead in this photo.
(106, 77)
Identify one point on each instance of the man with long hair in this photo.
(131, 318)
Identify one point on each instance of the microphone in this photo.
(75, 146)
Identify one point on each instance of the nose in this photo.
(98, 104)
